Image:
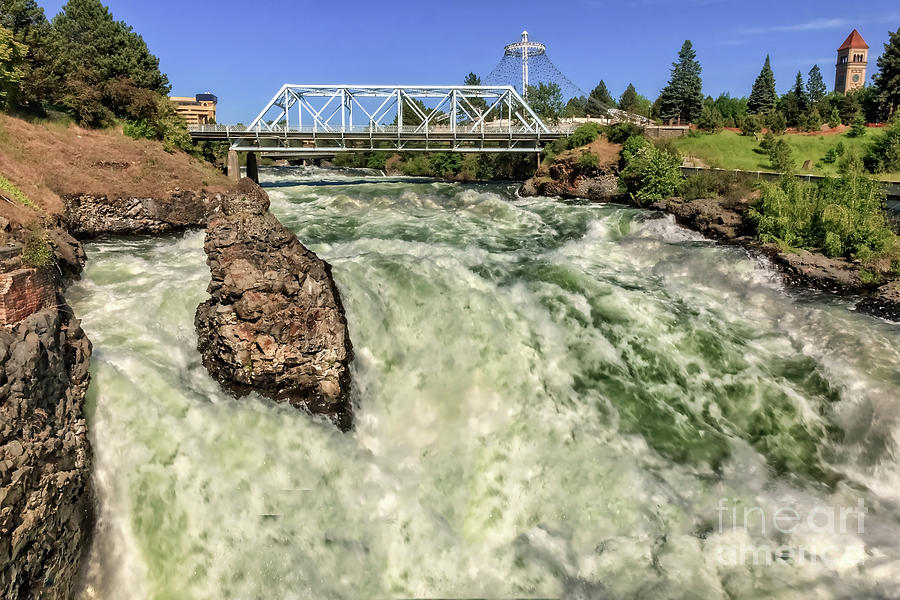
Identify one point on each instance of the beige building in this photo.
(853, 56)
(199, 110)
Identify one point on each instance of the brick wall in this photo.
(24, 292)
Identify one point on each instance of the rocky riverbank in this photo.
(46, 512)
(725, 220)
(274, 323)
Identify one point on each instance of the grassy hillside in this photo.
(731, 150)
(41, 161)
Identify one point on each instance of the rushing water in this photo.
(553, 399)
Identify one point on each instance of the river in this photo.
(553, 399)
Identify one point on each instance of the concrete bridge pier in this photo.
(252, 168)
(234, 166)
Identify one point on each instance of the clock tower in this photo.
(853, 56)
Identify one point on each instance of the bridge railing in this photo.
(462, 128)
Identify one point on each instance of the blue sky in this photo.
(243, 51)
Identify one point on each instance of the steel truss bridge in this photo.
(315, 119)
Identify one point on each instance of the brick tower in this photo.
(850, 72)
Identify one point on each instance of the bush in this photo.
(632, 146)
(857, 126)
(166, 126)
(445, 164)
(812, 121)
(38, 252)
(711, 119)
(554, 149)
(776, 122)
(750, 125)
(620, 132)
(842, 216)
(668, 146)
(705, 184)
(834, 119)
(883, 155)
(588, 160)
(766, 144)
(782, 157)
(417, 166)
(377, 160)
(584, 135)
(651, 175)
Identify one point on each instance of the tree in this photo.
(546, 100)
(30, 27)
(887, 79)
(762, 96)
(90, 51)
(682, 98)
(477, 103)
(834, 119)
(800, 92)
(600, 95)
(710, 119)
(576, 107)
(628, 99)
(857, 126)
(815, 85)
(12, 57)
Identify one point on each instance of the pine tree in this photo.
(682, 98)
(763, 96)
(600, 95)
(887, 80)
(629, 99)
(815, 85)
(800, 92)
(478, 103)
(91, 52)
(834, 119)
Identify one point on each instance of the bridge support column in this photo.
(234, 165)
(252, 168)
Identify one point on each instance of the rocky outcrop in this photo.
(45, 457)
(710, 216)
(88, 216)
(566, 178)
(884, 302)
(274, 323)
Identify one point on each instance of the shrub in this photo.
(834, 119)
(554, 149)
(750, 125)
(668, 146)
(842, 216)
(632, 146)
(417, 166)
(782, 157)
(812, 121)
(711, 119)
(857, 126)
(584, 135)
(588, 160)
(651, 175)
(776, 122)
(38, 252)
(620, 132)
(377, 160)
(766, 144)
(445, 164)
(883, 156)
(705, 184)
(165, 125)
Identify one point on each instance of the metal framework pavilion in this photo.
(302, 119)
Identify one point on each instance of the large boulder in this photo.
(274, 322)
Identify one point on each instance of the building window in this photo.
(843, 60)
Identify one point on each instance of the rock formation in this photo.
(884, 302)
(45, 457)
(88, 216)
(274, 323)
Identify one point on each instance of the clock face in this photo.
(856, 78)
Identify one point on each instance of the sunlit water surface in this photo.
(552, 400)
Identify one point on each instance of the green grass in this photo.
(731, 150)
(8, 188)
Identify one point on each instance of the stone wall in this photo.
(23, 292)
(45, 459)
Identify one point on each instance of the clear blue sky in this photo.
(243, 51)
